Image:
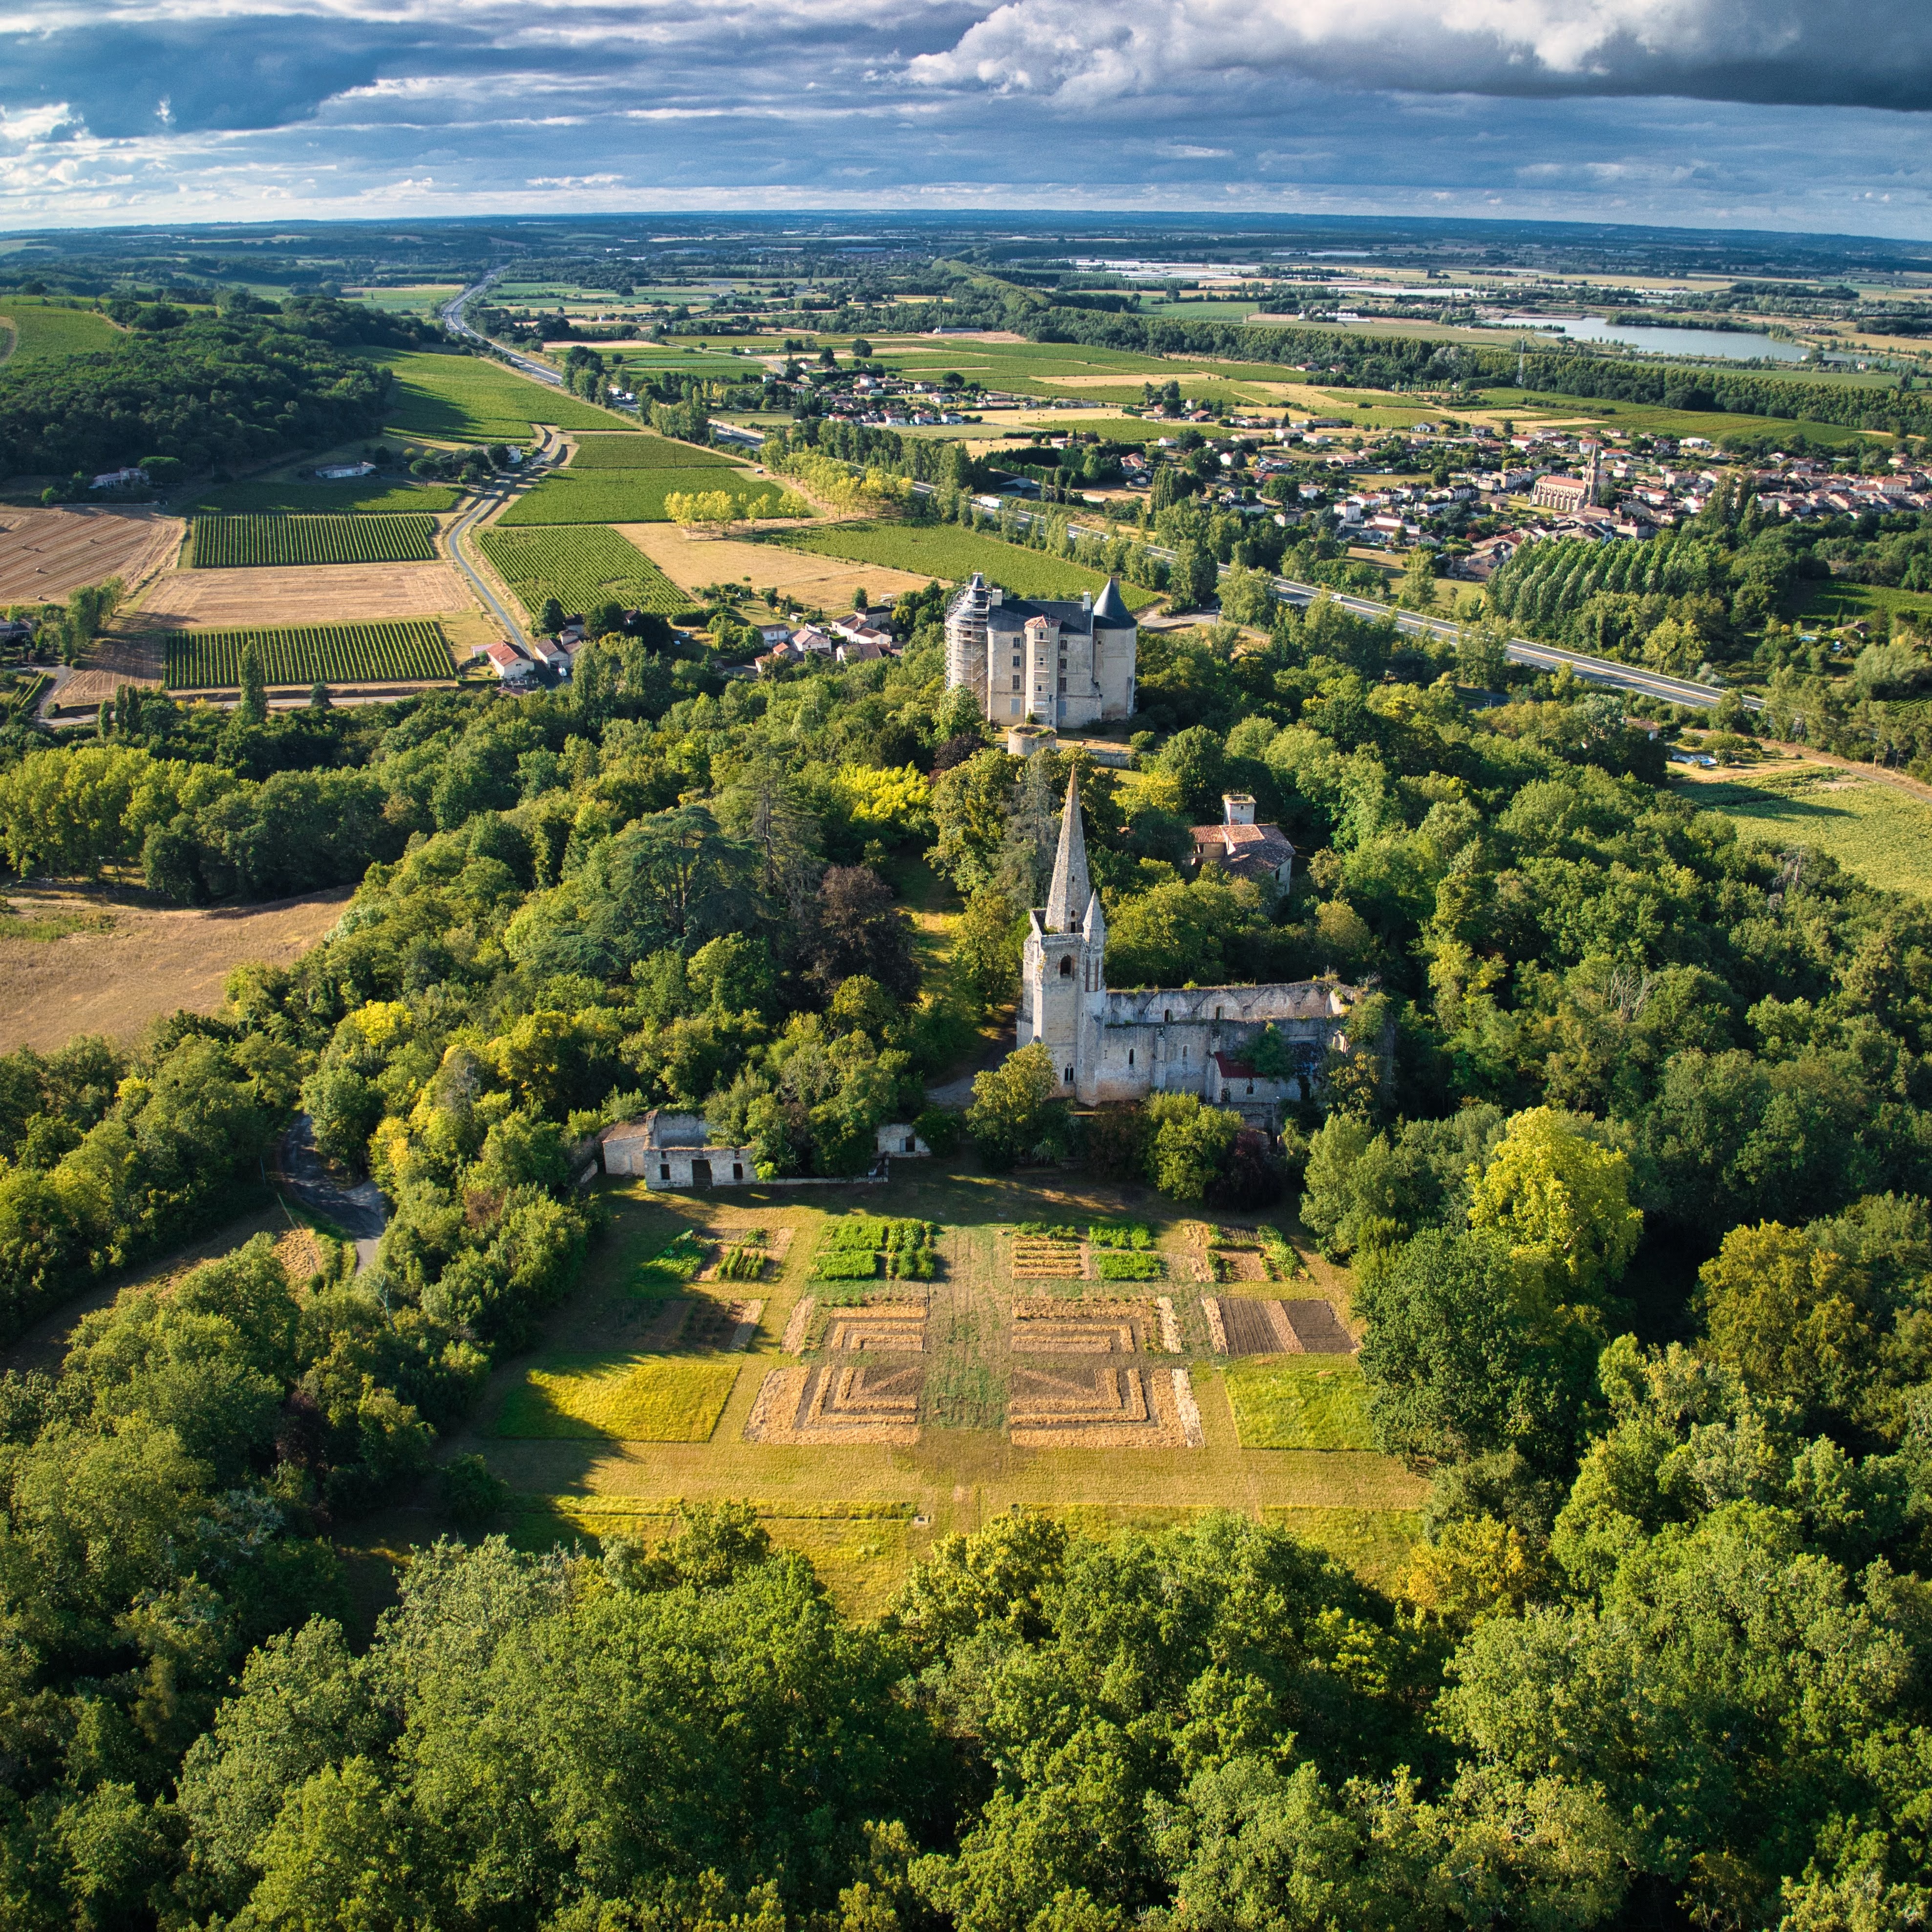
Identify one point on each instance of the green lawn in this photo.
(38, 333)
(1880, 833)
(467, 399)
(1304, 1402)
(624, 1398)
(371, 497)
(646, 450)
(951, 554)
(631, 495)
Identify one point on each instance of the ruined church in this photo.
(1193, 1039)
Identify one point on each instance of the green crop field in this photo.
(1307, 1402)
(1878, 831)
(646, 450)
(631, 495)
(232, 543)
(1642, 419)
(581, 566)
(37, 333)
(626, 1398)
(951, 554)
(368, 498)
(467, 399)
(405, 653)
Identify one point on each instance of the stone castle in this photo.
(1054, 664)
(1192, 1040)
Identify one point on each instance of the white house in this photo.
(901, 1141)
(510, 666)
(118, 479)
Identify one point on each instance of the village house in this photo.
(1242, 849)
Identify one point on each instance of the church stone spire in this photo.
(1067, 898)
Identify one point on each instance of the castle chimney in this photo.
(1238, 808)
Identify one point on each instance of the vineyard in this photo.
(581, 566)
(372, 496)
(334, 653)
(645, 451)
(633, 496)
(232, 543)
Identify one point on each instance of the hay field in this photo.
(316, 593)
(817, 583)
(145, 962)
(46, 553)
(951, 554)
(1878, 831)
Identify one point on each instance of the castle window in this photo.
(1169, 1014)
(1067, 967)
(1217, 1012)
(1130, 1056)
(1070, 1076)
(1251, 1086)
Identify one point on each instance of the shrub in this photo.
(471, 1494)
(942, 1129)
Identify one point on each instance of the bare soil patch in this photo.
(822, 583)
(151, 962)
(1247, 1327)
(46, 553)
(1043, 1327)
(319, 593)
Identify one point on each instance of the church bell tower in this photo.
(1063, 984)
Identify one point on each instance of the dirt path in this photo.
(148, 961)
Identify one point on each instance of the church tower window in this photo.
(1130, 1056)
(1067, 966)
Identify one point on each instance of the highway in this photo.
(452, 320)
(487, 500)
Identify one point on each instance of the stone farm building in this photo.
(1109, 1046)
(1057, 664)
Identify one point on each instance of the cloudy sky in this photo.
(1792, 114)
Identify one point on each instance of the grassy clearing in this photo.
(38, 333)
(465, 399)
(413, 652)
(1878, 831)
(1840, 602)
(1375, 1544)
(630, 496)
(581, 566)
(951, 554)
(646, 450)
(232, 543)
(624, 1398)
(1312, 1402)
(371, 499)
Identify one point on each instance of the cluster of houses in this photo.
(518, 664)
(863, 636)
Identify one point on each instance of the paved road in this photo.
(452, 320)
(360, 1212)
(488, 500)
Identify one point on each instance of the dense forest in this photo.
(209, 392)
(1629, 1151)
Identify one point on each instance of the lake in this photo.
(1722, 345)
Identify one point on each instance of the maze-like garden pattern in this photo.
(892, 1327)
(865, 1403)
(1070, 1404)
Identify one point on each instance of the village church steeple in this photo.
(1067, 897)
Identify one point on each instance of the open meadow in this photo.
(874, 1366)
(633, 496)
(692, 559)
(372, 496)
(35, 331)
(1879, 831)
(468, 399)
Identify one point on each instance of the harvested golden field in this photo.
(144, 963)
(302, 594)
(46, 553)
(819, 582)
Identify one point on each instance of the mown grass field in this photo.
(465, 399)
(413, 652)
(630, 495)
(1299, 1402)
(373, 498)
(624, 1399)
(1878, 831)
(36, 332)
(246, 543)
(646, 450)
(951, 554)
(581, 565)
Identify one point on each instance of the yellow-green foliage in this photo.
(1874, 829)
(626, 1398)
(896, 796)
(1308, 1402)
